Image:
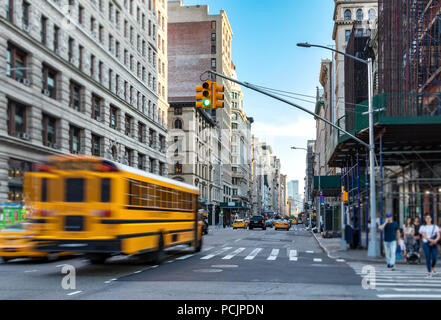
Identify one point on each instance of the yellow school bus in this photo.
(102, 208)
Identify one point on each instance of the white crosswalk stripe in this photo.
(253, 254)
(274, 254)
(233, 254)
(293, 255)
(406, 282)
(225, 249)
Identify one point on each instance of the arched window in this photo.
(372, 14)
(234, 116)
(348, 15)
(178, 124)
(360, 15)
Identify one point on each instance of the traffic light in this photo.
(204, 95)
(218, 96)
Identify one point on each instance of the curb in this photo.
(328, 253)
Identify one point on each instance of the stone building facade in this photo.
(90, 85)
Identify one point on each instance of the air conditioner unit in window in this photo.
(46, 92)
(26, 82)
(24, 136)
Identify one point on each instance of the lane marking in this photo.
(384, 284)
(233, 254)
(340, 260)
(309, 251)
(416, 290)
(253, 254)
(27, 271)
(412, 296)
(273, 255)
(216, 253)
(185, 257)
(207, 248)
(72, 293)
(293, 255)
(237, 240)
(317, 260)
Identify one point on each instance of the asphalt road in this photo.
(234, 265)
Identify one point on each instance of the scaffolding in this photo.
(409, 56)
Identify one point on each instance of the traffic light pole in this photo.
(316, 116)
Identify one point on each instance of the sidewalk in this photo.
(331, 246)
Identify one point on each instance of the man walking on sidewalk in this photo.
(390, 228)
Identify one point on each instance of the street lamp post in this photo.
(319, 174)
(373, 246)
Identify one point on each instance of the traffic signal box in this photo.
(204, 95)
(209, 95)
(344, 195)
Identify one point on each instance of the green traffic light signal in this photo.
(206, 102)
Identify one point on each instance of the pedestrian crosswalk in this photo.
(249, 254)
(405, 282)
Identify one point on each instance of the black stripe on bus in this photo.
(143, 221)
(137, 235)
(38, 220)
(157, 209)
(179, 231)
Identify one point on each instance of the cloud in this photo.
(304, 128)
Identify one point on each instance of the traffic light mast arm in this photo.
(249, 86)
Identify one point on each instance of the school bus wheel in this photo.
(97, 258)
(159, 255)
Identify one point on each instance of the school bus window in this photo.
(44, 190)
(105, 189)
(74, 190)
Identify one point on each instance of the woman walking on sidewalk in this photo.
(431, 236)
(409, 233)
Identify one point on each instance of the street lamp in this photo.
(319, 204)
(373, 246)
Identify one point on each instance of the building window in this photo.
(96, 107)
(128, 156)
(372, 15)
(151, 138)
(152, 165)
(56, 35)
(75, 96)
(10, 10)
(96, 145)
(213, 63)
(178, 111)
(15, 60)
(213, 36)
(113, 117)
(178, 124)
(347, 15)
(43, 30)
(213, 25)
(48, 82)
(80, 15)
(127, 124)
(141, 161)
(213, 49)
(92, 65)
(359, 15)
(25, 14)
(80, 57)
(74, 139)
(16, 119)
(48, 125)
(70, 49)
(141, 132)
(347, 35)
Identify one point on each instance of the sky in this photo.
(264, 51)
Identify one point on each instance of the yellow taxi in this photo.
(282, 224)
(239, 224)
(16, 242)
(294, 221)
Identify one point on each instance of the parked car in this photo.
(257, 222)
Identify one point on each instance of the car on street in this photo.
(16, 242)
(269, 223)
(239, 224)
(282, 224)
(257, 222)
(293, 221)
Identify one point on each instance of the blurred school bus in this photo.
(102, 208)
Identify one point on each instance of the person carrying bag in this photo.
(431, 236)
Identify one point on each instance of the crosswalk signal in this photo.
(204, 95)
(218, 96)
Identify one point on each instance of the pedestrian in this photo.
(417, 235)
(401, 246)
(390, 228)
(409, 233)
(431, 236)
